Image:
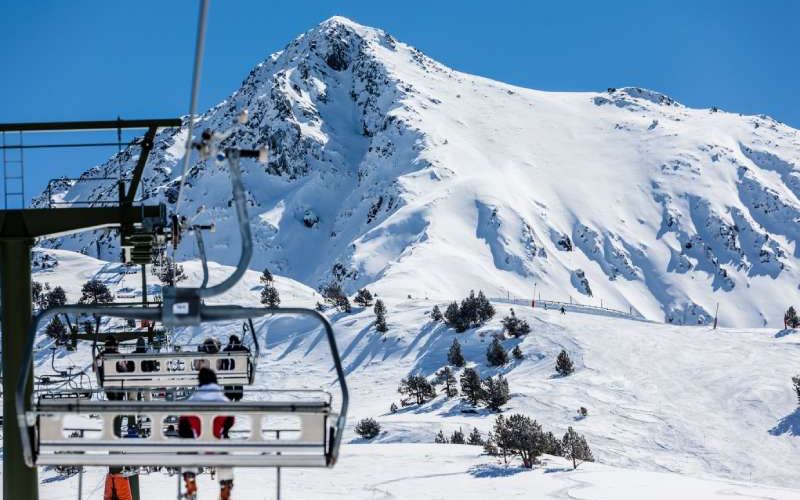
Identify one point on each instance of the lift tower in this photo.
(19, 230)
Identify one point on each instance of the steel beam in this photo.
(89, 125)
(19, 481)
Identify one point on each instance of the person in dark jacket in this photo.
(233, 392)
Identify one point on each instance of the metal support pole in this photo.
(144, 285)
(19, 481)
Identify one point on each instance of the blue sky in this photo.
(100, 59)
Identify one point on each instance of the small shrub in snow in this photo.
(564, 364)
(471, 388)
(368, 428)
(445, 376)
(495, 354)
(457, 437)
(418, 388)
(790, 319)
(583, 412)
(514, 326)
(454, 356)
(363, 298)
(393, 408)
(436, 314)
(517, 353)
(575, 448)
(796, 382)
(495, 392)
(380, 316)
(475, 438)
(440, 438)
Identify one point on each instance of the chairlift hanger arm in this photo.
(147, 146)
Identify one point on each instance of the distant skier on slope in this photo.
(563, 311)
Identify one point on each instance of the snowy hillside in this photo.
(687, 401)
(388, 168)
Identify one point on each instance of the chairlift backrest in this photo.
(173, 369)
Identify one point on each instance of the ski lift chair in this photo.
(163, 370)
(317, 428)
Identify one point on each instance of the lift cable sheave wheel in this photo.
(185, 307)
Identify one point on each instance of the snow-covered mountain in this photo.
(390, 169)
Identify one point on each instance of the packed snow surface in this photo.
(671, 407)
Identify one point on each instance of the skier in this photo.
(117, 485)
(563, 311)
(189, 427)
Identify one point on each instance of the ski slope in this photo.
(668, 405)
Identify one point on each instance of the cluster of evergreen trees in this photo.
(42, 296)
(473, 312)
(519, 435)
(492, 392)
(796, 383)
(457, 437)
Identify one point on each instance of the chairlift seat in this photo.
(173, 369)
(310, 443)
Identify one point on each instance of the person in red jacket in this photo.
(117, 486)
(189, 426)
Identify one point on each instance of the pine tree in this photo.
(469, 311)
(445, 376)
(517, 353)
(454, 356)
(457, 437)
(363, 298)
(270, 296)
(440, 438)
(583, 412)
(796, 383)
(393, 408)
(436, 314)
(471, 389)
(489, 446)
(495, 354)
(417, 387)
(484, 307)
(575, 448)
(475, 438)
(55, 328)
(368, 428)
(452, 314)
(266, 277)
(524, 438)
(36, 293)
(564, 364)
(343, 304)
(380, 316)
(552, 445)
(790, 319)
(56, 297)
(495, 392)
(95, 292)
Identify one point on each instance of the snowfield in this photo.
(673, 410)
(416, 471)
